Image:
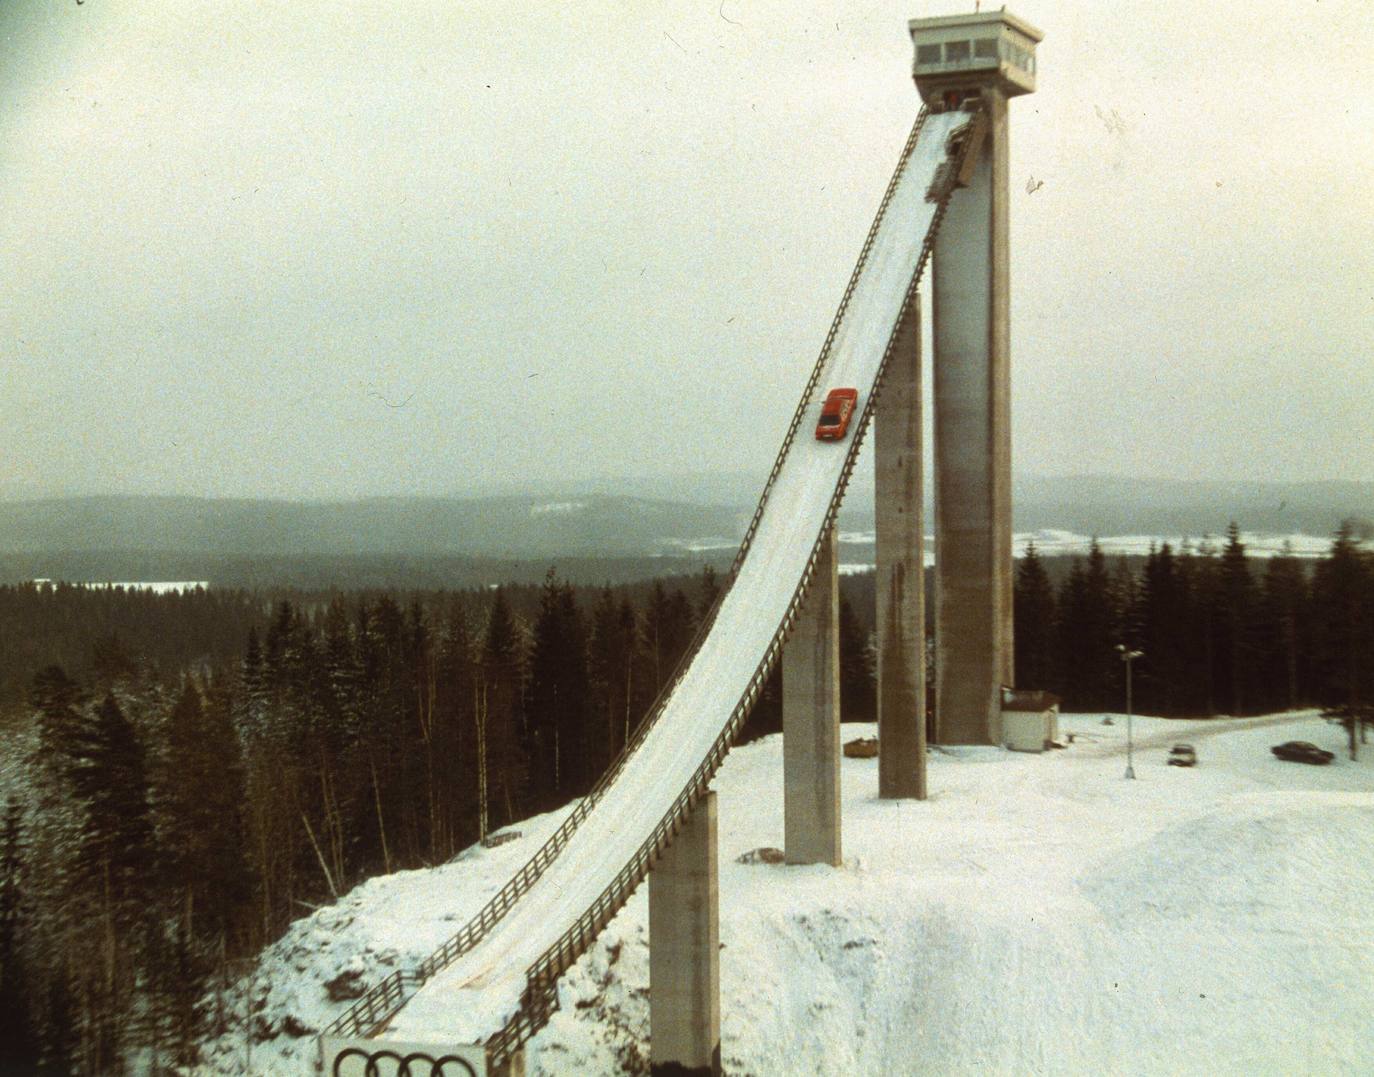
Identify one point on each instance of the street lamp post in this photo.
(1128, 657)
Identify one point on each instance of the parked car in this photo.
(1182, 755)
(1301, 751)
(835, 414)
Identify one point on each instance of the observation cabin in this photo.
(957, 55)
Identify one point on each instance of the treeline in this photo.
(321, 573)
(1220, 632)
(169, 825)
(97, 632)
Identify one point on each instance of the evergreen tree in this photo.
(1071, 644)
(416, 735)
(858, 688)
(387, 709)
(203, 837)
(559, 748)
(1100, 634)
(19, 1051)
(98, 895)
(1236, 625)
(1034, 614)
(667, 632)
(766, 716)
(1162, 601)
(500, 717)
(109, 776)
(58, 702)
(1200, 581)
(710, 591)
(453, 741)
(112, 661)
(342, 674)
(611, 662)
(1343, 608)
(1286, 625)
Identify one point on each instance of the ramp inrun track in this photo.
(495, 983)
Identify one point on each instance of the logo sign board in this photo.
(389, 1058)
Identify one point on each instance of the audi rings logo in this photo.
(412, 1064)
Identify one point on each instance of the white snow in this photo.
(1039, 914)
(1257, 544)
(1050, 542)
(160, 587)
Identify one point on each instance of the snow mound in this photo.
(1274, 855)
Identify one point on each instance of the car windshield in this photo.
(830, 419)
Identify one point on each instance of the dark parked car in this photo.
(1300, 751)
(1182, 755)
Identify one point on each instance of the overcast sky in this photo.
(280, 248)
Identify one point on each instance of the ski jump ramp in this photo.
(494, 984)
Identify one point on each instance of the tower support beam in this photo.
(900, 544)
(811, 720)
(684, 951)
(972, 389)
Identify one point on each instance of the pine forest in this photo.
(186, 773)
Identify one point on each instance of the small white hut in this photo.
(1030, 720)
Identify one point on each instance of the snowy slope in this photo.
(1039, 914)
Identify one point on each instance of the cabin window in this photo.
(985, 49)
(1020, 57)
(927, 54)
(956, 51)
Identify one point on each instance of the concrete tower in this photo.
(973, 63)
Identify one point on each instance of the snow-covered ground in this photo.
(1039, 914)
(160, 587)
(1257, 544)
(1053, 543)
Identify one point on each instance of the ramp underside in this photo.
(480, 992)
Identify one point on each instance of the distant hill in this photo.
(495, 527)
(690, 518)
(1103, 505)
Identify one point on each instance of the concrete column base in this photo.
(684, 950)
(811, 720)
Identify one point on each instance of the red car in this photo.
(836, 413)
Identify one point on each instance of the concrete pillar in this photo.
(684, 951)
(900, 540)
(811, 720)
(973, 592)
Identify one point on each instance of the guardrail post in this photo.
(684, 950)
(900, 582)
(811, 720)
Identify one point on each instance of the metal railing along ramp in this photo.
(495, 982)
